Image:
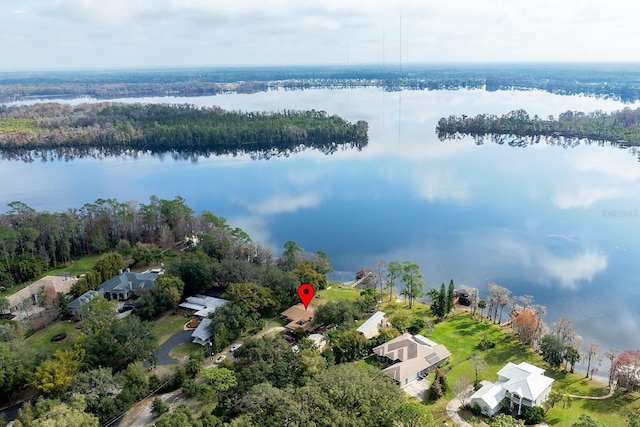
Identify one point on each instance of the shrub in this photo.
(476, 409)
(158, 407)
(532, 415)
(189, 388)
(486, 343)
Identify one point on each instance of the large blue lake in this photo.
(557, 223)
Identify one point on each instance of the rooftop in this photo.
(410, 354)
(202, 305)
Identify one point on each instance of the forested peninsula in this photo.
(172, 127)
(619, 127)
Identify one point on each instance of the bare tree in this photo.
(381, 264)
(479, 365)
(499, 298)
(524, 301)
(492, 300)
(596, 366)
(564, 329)
(591, 352)
(611, 354)
(462, 389)
(473, 300)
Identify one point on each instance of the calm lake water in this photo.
(557, 223)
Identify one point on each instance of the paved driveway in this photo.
(417, 388)
(162, 354)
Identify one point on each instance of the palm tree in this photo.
(482, 304)
(571, 356)
(405, 293)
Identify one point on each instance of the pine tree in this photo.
(450, 298)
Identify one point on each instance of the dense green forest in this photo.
(615, 81)
(100, 373)
(183, 128)
(620, 127)
(32, 242)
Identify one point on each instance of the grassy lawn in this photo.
(185, 350)
(336, 294)
(41, 340)
(165, 328)
(612, 411)
(391, 307)
(13, 289)
(461, 335)
(77, 267)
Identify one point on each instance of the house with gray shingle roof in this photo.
(127, 284)
(75, 306)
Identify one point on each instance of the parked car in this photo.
(126, 307)
(220, 359)
(235, 347)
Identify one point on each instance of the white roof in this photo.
(202, 305)
(202, 333)
(490, 393)
(318, 340)
(370, 328)
(524, 379)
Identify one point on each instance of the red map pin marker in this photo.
(305, 292)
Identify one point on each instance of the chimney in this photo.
(120, 272)
(128, 270)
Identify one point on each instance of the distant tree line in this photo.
(620, 127)
(183, 128)
(618, 81)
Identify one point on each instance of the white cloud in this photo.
(257, 227)
(586, 197)
(96, 33)
(441, 185)
(285, 203)
(569, 271)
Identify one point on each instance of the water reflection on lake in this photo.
(557, 223)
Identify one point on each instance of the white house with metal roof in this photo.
(371, 328)
(201, 305)
(523, 384)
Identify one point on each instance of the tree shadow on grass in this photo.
(619, 403)
(505, 352)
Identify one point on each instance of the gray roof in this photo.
(120, 283)
(87, 296)
(202, 334)
(202, 305)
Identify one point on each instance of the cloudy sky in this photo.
(50, 34)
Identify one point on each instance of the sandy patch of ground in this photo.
(140, 414)
(417, 388)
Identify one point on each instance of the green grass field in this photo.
(336, 293)
(166, 327)
(185, 350)
(41, 340)
(77, 267)
(461, 335)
